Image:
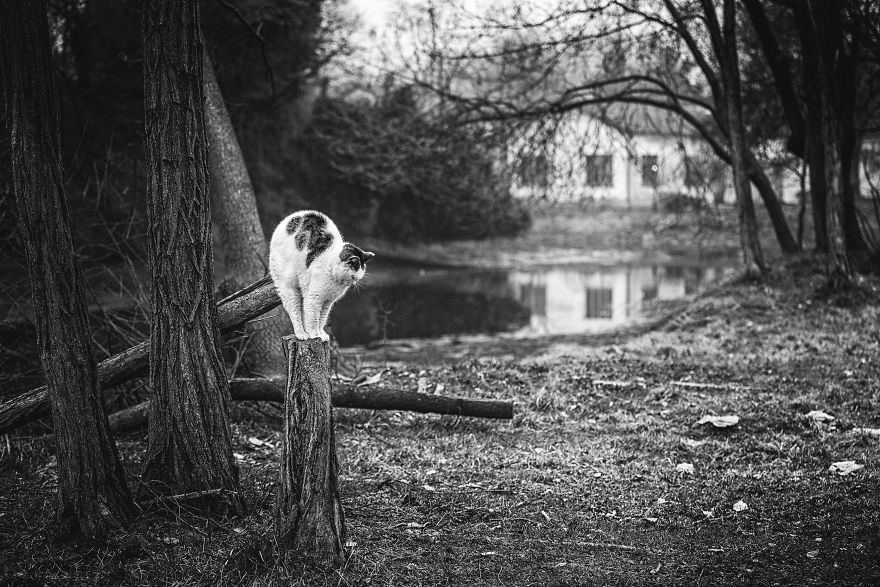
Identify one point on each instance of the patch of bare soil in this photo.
(605, 476)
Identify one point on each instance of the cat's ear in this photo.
(368, 255)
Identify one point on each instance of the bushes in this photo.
(394, 172)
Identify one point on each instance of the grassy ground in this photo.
(581, 488)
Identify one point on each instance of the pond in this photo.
(400, 301)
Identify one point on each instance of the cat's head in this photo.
(352, 263)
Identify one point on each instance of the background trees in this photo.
(565, 57)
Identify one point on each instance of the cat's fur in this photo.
(312, 267)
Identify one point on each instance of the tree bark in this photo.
(728, 58)
(244, 248)
(189, 436)
(310, 522)
(92, 493)
(272, 390)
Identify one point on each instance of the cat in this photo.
(312, 267)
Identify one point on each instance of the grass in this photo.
(581, 488)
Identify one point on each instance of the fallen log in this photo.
(272, 390)
(232, 311)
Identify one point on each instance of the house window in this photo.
(598, 303)
(599, 171)
(534, 297)
(534, 170)
(650, 170)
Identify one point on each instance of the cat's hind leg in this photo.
(292, 300)
(312, 306)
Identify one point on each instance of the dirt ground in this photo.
(588, 485)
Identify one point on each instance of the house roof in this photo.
(639, 120)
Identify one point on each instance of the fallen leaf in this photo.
(813, 554)
(371, 379)
(651, 520)
(611, 382)
(867, 431)
(819, 416)
(422, 385)
(171, 540)
(546, 515)
(414, 525)
(351, 544)
(740, 506)
(692, 443)
(845, 467)
(260, 443)
(439, 389)
(719, 421)
(489, 553)
(661, 501)
(687, 468)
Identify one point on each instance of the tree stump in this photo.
(310, 523)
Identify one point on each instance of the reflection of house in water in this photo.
(567, 301)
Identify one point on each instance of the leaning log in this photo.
(272, 390)
(309, 521)
(232, 311)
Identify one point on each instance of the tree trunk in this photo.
(753, 259)
(242, 241)
(92, 492)
(310, 520)
(823, 32)
(189, 436)
(756, 174)
(850, 146)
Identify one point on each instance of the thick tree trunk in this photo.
(820, 40)
(189, 436)
(92, 492)
(753, 259)
(815, 151)
(310, 522)
(244, 248)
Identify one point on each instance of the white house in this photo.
(635, 157)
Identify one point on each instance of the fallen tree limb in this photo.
(233, 311)
(272, 390)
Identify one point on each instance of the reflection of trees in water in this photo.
(477, 304)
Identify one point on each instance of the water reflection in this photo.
(406, 302)
(569, 301)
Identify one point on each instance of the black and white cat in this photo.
(312, 268)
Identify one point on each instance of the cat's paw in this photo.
(324, 336)
(302, 336)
